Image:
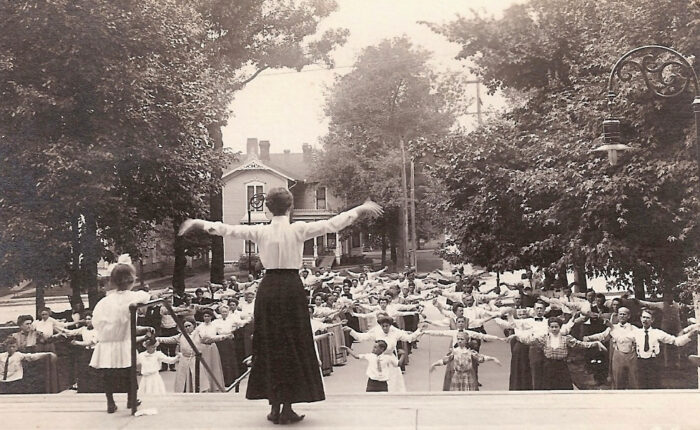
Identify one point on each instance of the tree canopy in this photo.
(107, 112)
(526, 190)
(390, 98)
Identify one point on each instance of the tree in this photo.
(103, 129)
(111, 121)
(387, 101)
(531, 168)
(248, 37)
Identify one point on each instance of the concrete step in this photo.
(512, 410)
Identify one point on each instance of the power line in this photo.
(322, 69)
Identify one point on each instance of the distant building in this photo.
(258, 172)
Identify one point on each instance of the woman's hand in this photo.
(190, 224)
(371, 209)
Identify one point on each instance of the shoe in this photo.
(138, 403)
(275, 418)
(290, 418)
(111, 408)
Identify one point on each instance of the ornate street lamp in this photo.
(666, 73)
(255, 203)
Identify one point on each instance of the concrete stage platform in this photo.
(668, 409)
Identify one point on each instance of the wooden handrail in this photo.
(178, 320)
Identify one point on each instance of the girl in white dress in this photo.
(150, 361)
(111, 319)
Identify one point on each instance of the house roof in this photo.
(291, 164)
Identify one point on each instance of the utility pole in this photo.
(478, 102)
(414, 263)
(404, 254)
(478, 113)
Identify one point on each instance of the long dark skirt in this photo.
(229, 364)
(285, 368)
(520, 376)
(447, 381)
(239, 344)
(89, 379)
(40, 376)
(325, 355)
(556, 375)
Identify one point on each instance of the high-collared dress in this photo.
(284, 367)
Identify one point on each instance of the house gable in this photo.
(254, 163)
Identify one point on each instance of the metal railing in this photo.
(178, 320)
(236, 384)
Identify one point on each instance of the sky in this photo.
(286, 107)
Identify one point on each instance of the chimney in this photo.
(252, 147)
(306, 149)
(265, 150)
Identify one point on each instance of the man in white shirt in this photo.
(647, 344)
(46, 326)
(11, 369)
(623, 369)
(378, 365)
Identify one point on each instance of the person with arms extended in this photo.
(112, 320)
(285, 368)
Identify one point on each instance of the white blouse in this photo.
(112, 323)
(281, 243)
(48, 327)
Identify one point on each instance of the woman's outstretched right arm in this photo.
(340, 221)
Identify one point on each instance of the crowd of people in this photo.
(627, 341)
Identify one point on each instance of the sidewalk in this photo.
(154, 283)
(667, 409)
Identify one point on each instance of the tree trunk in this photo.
(141, 280)
(562, 277)
(671, 277)
(40, 302)
(384, 247)
(392, 244)
(180, 262)
(90, 258)
(549, 279)
(75, 273)
(580, 278)
(216, 213)
(400, 242)
(638, 285)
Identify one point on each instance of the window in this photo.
(321, 198)
(251, 247)
(251, 191)
(355, 240)
(330, 240)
